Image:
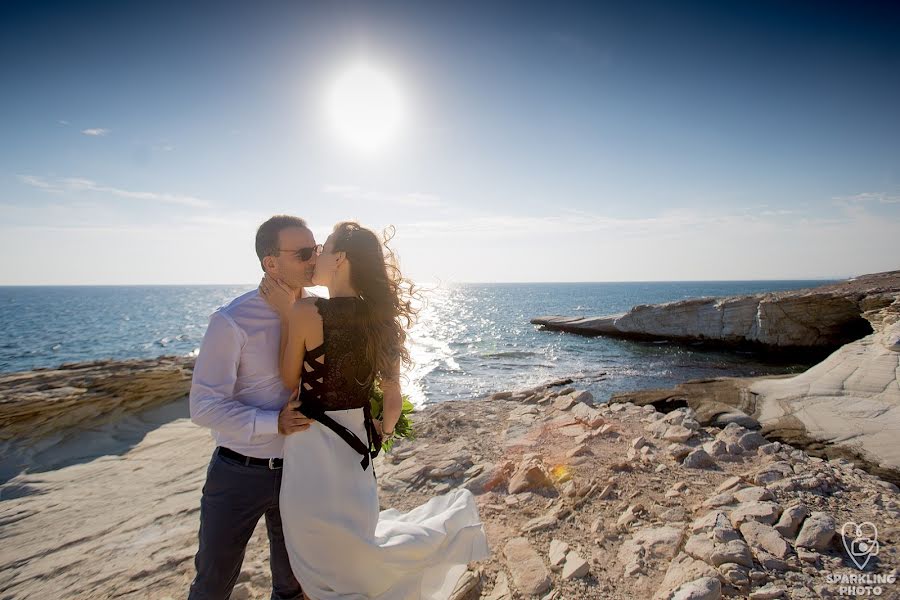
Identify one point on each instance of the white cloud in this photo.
(570, 245)
(357, 194)
(775, 213)
(681, 244)
(78, 184)
(95, 131)
(39, 182)
(63, 122)
(880, 197)
(674, 221)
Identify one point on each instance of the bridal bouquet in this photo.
(404, 427)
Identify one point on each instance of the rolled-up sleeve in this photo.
(212, 388)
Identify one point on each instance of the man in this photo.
(238, 394)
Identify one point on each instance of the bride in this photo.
(340, 545)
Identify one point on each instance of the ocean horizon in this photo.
(470, 339)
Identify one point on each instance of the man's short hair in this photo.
(267, 234)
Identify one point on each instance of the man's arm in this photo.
(212, 388)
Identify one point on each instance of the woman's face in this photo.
(326, 264)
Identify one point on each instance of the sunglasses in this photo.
(305, 254)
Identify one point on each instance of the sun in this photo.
(365, 108)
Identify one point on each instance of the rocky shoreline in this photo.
(846, 405)
(45, 409)
(824, 317)
(578, 501)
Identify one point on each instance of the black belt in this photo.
(368, 449)
(272, 463)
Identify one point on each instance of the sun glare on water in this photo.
(366, 108)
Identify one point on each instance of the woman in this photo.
(340, 547)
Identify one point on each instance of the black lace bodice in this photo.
(335, 373)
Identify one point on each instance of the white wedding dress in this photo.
(341, 546)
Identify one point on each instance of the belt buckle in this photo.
(271, 464)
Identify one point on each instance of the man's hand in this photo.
(289, 420)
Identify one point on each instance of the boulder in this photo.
(817, 531)
(737, 417)
(734, 551)
(588, 415)
(704, 588)
(774, 471)
(583, 397)
(677, 433)
(490, 478)
(750, 441)
(530, 475)
(541, 523)
(753, 494)
(681, 570)
(767, 592)
(575, 566)
(563, 403)
(791, 519)
(698, 459)
(735, 575)
(529, 574)
(761, 537)
(762, 512)
(652, 542)
(558, 552)
(678, 451)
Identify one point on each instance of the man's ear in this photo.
(269, 266)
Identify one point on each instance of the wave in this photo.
(510, 354)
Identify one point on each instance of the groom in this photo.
(237, 393)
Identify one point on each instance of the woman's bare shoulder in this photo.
(306, 307)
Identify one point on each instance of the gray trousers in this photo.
(235, 496)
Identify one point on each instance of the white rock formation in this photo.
(852, 399)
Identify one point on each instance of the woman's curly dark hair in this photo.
(387, 295)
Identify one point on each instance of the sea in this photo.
(470, 339)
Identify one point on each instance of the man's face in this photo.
(287, 265)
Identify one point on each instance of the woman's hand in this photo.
(379, 427)
(279, 296)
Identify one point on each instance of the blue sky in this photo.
(144, 142)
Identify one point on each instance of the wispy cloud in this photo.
(78, 184)
(781, 211)
(95, 131)
(39, 182)
(674, 222)
(62, 122)
(358, 194)
(880, 197)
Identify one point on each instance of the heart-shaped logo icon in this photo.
(860, 542)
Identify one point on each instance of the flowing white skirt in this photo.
(341, 547)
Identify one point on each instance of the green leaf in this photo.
(404, 428)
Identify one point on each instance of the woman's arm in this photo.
(393, 399)
(294, 315)
(293, 345)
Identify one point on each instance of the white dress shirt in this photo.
(236, 390)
